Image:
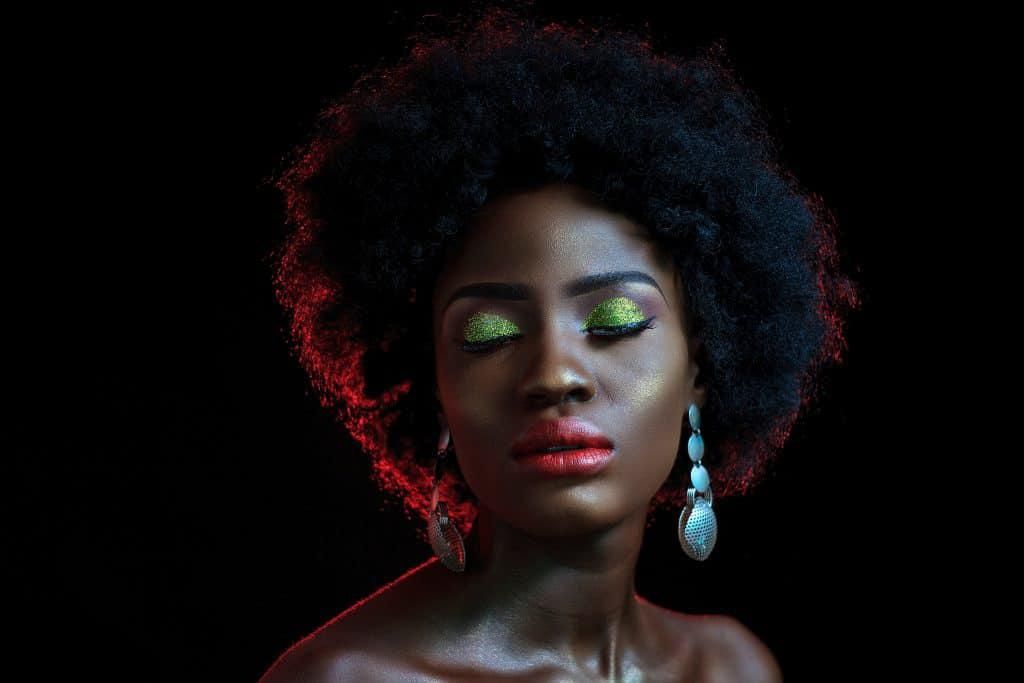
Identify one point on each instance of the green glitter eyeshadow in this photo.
(482, 327)
(617, 311)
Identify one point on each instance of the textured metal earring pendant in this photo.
(698, 527)
(444, 536)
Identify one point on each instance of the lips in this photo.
(556, 435)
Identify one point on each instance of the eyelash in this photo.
(627, 330)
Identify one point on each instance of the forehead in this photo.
(546, 237)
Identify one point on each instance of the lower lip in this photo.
(578, 461)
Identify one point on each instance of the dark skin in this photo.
(548, 593)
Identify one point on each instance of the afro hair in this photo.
(395, 168)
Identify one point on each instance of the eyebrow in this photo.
(517, 291)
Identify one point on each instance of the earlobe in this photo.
(699, 395)
(697, 388)
(698, 391)
(437, 405)
(696, 345)
(441, 419)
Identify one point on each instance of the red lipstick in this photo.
(563, 447)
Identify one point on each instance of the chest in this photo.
(689, 665)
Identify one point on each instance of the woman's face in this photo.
(636, 388)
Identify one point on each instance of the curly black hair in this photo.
(395, 169)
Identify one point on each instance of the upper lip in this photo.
(566, 431)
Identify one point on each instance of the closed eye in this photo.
(622, 330)
(628, 330)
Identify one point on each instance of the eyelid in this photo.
(493, 326)
(615, 307)
(499, 328)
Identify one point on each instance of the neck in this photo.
(573, 595)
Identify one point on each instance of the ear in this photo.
(442, 420)
(699, 395)
(697, 390)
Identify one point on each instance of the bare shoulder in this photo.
(362, 642)
(740, 654)
(309, 665)
(332, 659)
(719, 647)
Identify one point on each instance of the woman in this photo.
(530, 267)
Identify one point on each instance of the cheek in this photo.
(652, 395)
(472, 396)
(654, 399)
(468, 390)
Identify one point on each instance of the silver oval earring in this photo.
(445, 538)
(698, 526)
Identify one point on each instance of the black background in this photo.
(190, 511)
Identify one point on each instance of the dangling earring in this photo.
(444, 536)
(698, 527)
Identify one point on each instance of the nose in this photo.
(557, 372)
